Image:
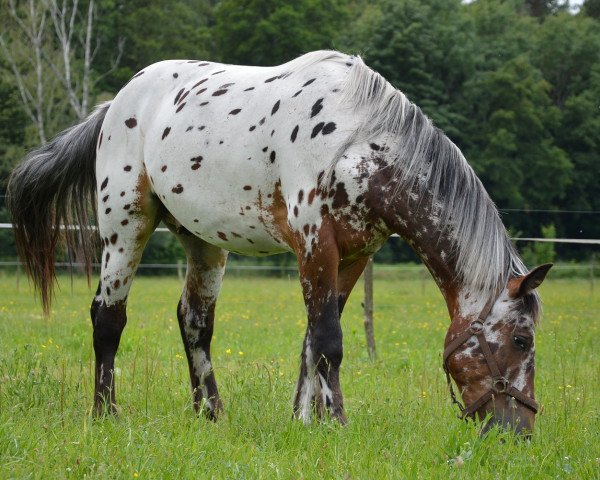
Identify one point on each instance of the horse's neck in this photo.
(417, 221)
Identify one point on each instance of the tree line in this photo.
(514, 83)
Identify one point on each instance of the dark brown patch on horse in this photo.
(272, 156)
(309, 82)
(216, 73)
(318, 127)
(127, 168)
(203, 104)
(295, 211)
(117, 284)
(316, 108)
(202, 90)
(180, 107)
(199, 83)
(124, 222)
(175, 75)
(104, 184)
(100, 140)
(248, 89)
(131, 122)
(300, 197)
(163, 168)
(177, 189)
(218, 93)
(113, 238)
(222, 236)
(329, 128)
(247, 187)
(166, 132)
(252, 128)
(311, 196)
(183, 96)
(236, 235)
(178, 96)
(235, 111)
(340, 197)
(275, 107)
(297, 93)
(197, 161)
(107, 211)
(127, 206)
(105, 198)
(294, 133)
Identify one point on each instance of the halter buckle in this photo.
(476, 327)
(500, 385)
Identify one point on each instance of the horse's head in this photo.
(490, 353)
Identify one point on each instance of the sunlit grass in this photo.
(401, 422)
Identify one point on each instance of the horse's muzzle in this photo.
(510, 414)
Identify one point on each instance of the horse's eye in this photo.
(522, 343)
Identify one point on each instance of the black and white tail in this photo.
(53, 186)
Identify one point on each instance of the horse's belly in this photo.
(233, 211)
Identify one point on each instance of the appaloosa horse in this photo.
(320, 157)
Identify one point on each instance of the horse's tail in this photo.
(49, 198)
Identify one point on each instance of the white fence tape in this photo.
(587, 241)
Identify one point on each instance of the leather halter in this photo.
(500, 384)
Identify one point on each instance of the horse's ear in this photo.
(520, 286)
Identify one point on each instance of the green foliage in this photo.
(270, 32)
(513, 146)
(153, 31)
(539, 253)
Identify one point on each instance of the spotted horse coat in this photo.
(319, 156)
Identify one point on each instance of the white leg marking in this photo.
(202, 368)
(307, 389)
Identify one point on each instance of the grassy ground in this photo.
(401, 422)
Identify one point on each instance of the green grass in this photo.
(401, 423)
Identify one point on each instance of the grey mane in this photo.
(428, 164)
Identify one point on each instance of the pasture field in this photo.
(401, 422)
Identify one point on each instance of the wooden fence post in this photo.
(368, 307)
(593, 260)
(180, 271)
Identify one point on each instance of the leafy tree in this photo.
(512, 123)
(541, 252)
(270, 32)
(591, 8)
(153, 31)
(424, 49)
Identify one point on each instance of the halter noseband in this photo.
(500, 384)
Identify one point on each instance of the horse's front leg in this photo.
(322, 349)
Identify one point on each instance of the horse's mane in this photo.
(428, 164)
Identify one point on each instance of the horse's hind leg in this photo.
(127, 218)
(196, 315)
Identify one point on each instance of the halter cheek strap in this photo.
(500, 384)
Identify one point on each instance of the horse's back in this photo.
(225, 148)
